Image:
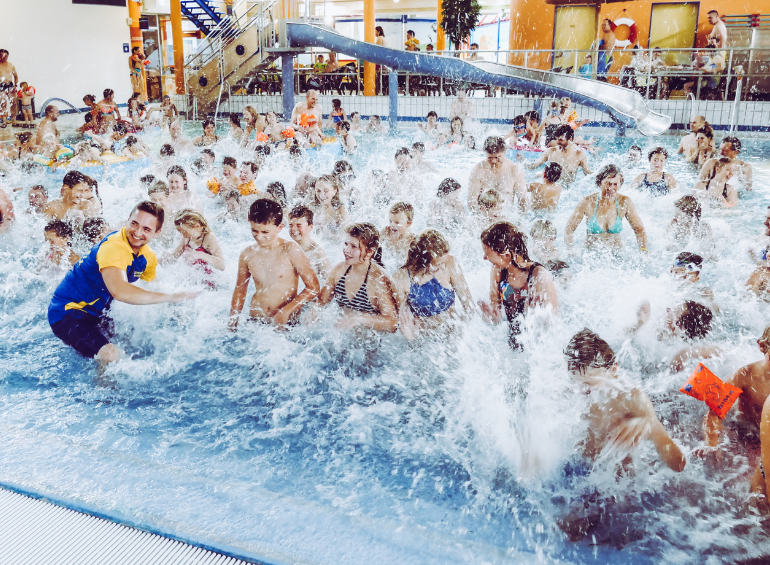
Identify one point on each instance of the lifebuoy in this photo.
(625, 21)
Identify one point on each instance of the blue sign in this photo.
(125, 48)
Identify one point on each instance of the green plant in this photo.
(459, 18)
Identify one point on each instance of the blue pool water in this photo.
(312, 448)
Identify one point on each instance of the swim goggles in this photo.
(689, 266)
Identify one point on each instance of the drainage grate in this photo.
(36, 532)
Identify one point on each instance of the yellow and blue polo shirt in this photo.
(83, 290)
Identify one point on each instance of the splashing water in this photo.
(310, 447)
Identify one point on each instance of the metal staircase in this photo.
(232, 55)
(202, 14)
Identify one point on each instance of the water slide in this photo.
(624, 106)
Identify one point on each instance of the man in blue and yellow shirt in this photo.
(76, 311)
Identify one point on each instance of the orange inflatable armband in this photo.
(288, 133)
(307, 120)
(213, 185)
(262, 136)
(706, 386)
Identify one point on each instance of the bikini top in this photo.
(659, 187)
(430, 298)
(360, 302)
(592, 225)
(515, 299)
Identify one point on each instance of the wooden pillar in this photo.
(135, 12)
(178, 39)
(370, 72)
(440, 35)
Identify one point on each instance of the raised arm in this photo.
(636, 183)
(239, 294)
(535, 164)
(636, 224)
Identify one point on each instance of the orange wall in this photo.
(532, 20)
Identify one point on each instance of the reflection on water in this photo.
(306, 447)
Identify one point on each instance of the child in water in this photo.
(336, 115)
(58, 235)
(198, 246)
(300, 230)
(276, 266)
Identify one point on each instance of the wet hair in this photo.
(689, 205)
(177, 170)
(235, 119)
(542, 229)
(695, 320)
(147, 180)
(93, 227)
(39, 187)
(418, 146)
(190, 217)
(532, 115)
(251, 165)
(410, 32)
(130, 141)
(707, 131)
(337, 103)
(209, 152)
(158, 186)
(49, 109)
(608, 171)
(685, 257)
(556, 266)
(232, 193)
(380, 31)
(426, 247)
(657, 151)
(456, 119)
(635, 148)
(366, 234)
(489, 199)
(93, 185)
(108, 92)
(374, 117)
(152, 209)
(353, 114)
(208, 122)
(265, 211)
(341, 167)
(504, 237)
(89, 98)
(494, 144)
(25, 136)
(344, 124)
(734, 142)
(251, 111)
(295, 151)
(73, 178)
(404, 207)
(564, 130)
(519, 120)
(167, 150)
(61, 228)
(552, 172)
(719, 163)
(402, 151)
(278, 192)
(713, 12)
(432, 113)
(302, 212)
(230, 162)
(336, 202)
(120, 129)
(262, 150)
(586, 349)
(764, 340)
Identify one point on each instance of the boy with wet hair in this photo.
(228, 180)
(300, 230)
(396, 238)
(58, 235)
(490, 208)
(247, 176)
(417, 152)
(686, 269)
(545, 195)
(276, 266)
(619, 416)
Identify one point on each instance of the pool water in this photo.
(308, 447)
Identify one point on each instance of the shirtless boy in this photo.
(275, 265)
(499, 173)
(545, 195)
(619, 417)
(754, 380)
(306, 118)
(397, 236)
(689, 145)
(300, 230)
(77, 200)
(566, 154)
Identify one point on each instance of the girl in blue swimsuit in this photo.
(427, 285)
(517, 284)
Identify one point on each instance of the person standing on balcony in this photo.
(606, 46)
(718, 34)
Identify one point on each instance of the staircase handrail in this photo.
(227, 31)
